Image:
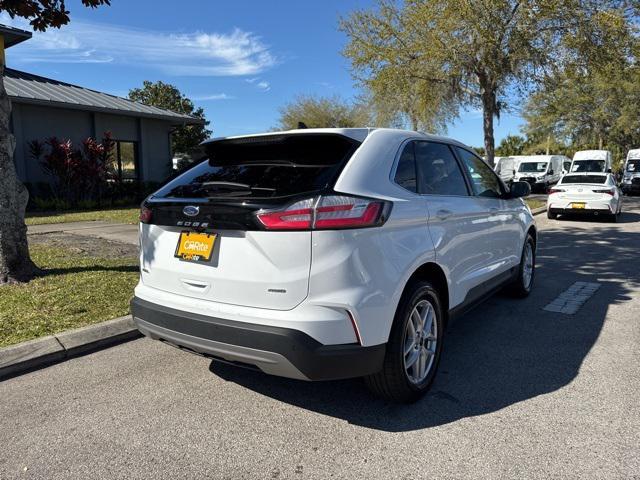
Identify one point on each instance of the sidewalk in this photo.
(119, 232)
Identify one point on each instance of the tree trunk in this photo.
(488, 112)
(15, 263)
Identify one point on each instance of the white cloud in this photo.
(259, 84)
(264, 86)
(191, 54)
(212, 97)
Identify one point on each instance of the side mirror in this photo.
(608, 170)
(520, 189)
(551, 172)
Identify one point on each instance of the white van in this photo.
(506, 168)
(540, 171)
(591, 161)
(631, 173)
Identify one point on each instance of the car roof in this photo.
(592, 155)
(359, 134)
(534, 158)
(633, 154)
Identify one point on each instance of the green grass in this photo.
(76, 290)
(119, 215)
(535, 203)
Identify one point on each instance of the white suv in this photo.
(330, 253)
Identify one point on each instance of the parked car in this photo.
(591, 161)
(330, 253)
(540, 171)
(631, 173)
(592, 193)
(506, 169)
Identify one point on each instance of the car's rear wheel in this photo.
(523, 284)
(414, 347)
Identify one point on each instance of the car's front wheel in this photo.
(551, 215)
(414, 347)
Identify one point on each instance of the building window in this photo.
(125, 157)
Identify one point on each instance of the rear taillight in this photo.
(145, 214)
(556, 190)
(327, 212)
(298, 216)
(608, 191)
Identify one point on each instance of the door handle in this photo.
(443, 214)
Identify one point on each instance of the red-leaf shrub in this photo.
(78, 173)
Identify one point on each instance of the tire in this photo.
(613, 218)
(551, 215)
(395, 382)
(521, 287)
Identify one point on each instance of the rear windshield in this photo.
(264, 167)
(595, 179)
(587, 166)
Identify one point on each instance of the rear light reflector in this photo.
(356, 330)
(608, 191)
(328, 212)
(556, 190)
(145, 214)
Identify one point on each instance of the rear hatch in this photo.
(249, 265)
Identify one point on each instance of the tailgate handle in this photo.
(195, 285)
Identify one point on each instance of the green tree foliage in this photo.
(593, 99)
(511, 145)
(185, 139)
(471, 54)
(323, 112)
(43, 14)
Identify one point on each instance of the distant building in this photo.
(44, 108)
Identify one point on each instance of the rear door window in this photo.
(269, 166)
(484, 180)
(438, 170)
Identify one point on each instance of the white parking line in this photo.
(570, 301)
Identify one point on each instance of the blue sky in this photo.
(239, 60)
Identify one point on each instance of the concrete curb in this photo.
(34, 354)
(538, 211)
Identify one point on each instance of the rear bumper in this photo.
(581, 211)
(278, 351)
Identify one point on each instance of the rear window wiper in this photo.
(243, 186)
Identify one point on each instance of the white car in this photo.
(592, 193)
(330, 253)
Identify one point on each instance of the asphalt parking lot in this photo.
(522, 392)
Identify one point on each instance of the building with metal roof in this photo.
(43, 108)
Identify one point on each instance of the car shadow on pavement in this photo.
(504, 352)
(625, 217)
